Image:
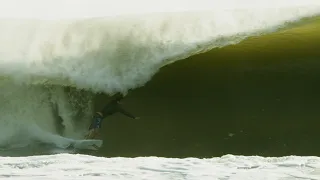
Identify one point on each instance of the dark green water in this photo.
(260, 97)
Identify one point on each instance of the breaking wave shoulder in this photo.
(118, 53)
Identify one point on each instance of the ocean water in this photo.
(223, 89)
(66, 166)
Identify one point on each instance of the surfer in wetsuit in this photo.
(111, 108)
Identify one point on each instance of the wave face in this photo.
(53, 68)
(112, 54)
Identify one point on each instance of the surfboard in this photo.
(91, 144)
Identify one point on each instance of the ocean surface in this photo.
(224, 89)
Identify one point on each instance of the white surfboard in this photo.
(91, 144)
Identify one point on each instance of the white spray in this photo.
(113, 52)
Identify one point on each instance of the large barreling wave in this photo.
(117, 53)
(109, 47)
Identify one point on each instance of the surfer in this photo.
(111, 108)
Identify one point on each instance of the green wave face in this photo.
(260, 97)
(242, 94)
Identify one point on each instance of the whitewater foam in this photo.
(75, 9)
(120, 53)
(109, 52)
(66, 166)
(28, 115)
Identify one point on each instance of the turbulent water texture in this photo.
(228, 167)
(224, 78)
(112, 54)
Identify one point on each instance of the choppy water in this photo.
(228, 167)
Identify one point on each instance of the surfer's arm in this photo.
(126, 113)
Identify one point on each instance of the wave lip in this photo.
(112, 54)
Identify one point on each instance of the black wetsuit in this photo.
(109, 109)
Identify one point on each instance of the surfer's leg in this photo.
(97, 121)
(95, 126)
(92, 133)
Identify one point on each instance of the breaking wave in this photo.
(112, 51)
(112, 54)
